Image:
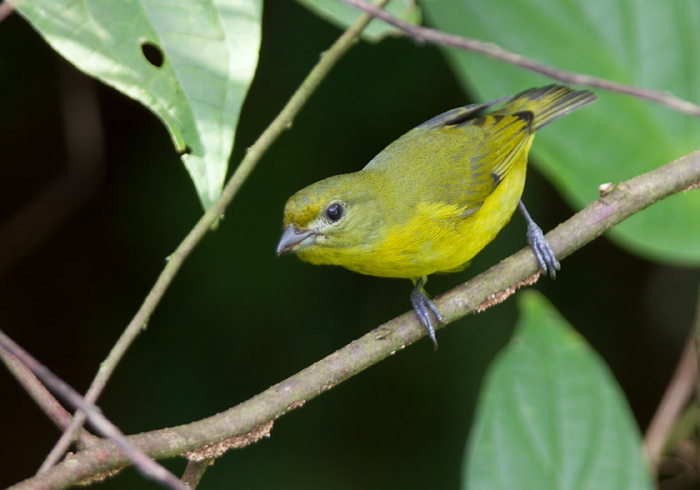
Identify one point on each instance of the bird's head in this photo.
(332, 217)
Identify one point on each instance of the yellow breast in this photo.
(438, 237)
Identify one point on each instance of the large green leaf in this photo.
(209, 51)
(648, 43)
(551, 416)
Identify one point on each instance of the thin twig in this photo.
(6, 8)
(425, 34)
(620, 202)
(675, 399)
(145, 465)
(195, 471)
(175, 261)
(43, 397)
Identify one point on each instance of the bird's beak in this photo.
(292, 239)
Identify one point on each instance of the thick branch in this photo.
(209, 220)
(618, 203)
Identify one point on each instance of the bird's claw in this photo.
(426, 311)
(543, 250)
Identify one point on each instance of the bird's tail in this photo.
(547, 103)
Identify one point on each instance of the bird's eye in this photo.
(335, 211)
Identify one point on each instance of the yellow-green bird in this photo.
(432, 199)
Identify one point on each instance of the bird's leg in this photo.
(540, 246)
(424, 308)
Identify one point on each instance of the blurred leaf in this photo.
(343, 15)
(645, 43)
(202, 56)
(551, 416)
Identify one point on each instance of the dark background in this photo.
(238, 319)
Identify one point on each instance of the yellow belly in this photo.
(438, 239)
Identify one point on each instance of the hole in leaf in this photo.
(153, 53)
(186, 150)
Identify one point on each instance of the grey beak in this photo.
(291, 239)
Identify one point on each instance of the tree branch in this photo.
(46, 401)
(145, 465)
(245, 420)
(425, 34)
(678, 392)
(6, 8)
(208, 221)
(195, 471)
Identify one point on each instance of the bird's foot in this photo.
(543, 250)
(540, 246)
(426, 311)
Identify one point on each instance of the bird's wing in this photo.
(458, 115)
(455, 159)
(485, 150)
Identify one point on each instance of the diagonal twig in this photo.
(43, 397)
(425, 34)
(281, 123)
(675, 399)
(145, 465)
(6, 8)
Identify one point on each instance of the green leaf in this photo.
(209, 52)
(647, 43)
(344, 15)
(551, 416)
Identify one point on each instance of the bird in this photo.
(433, 198)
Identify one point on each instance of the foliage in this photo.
(642, 43)
(190, 63)
(256, 319)
(551, 415)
